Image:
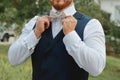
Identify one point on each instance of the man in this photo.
(65, 45)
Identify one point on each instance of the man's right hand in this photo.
(42, 24)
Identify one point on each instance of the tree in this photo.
(21, 10)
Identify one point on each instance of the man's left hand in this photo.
(69, 23)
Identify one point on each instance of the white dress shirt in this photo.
(88, 54)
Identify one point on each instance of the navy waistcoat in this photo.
(51, 61)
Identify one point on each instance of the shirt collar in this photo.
(68, 11)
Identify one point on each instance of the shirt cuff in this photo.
(71, 38)
(31, 40)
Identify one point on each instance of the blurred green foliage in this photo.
(18, 11)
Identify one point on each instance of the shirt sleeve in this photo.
(89, 54)
(24, 45)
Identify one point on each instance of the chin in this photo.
(58, 7)
(61, 5)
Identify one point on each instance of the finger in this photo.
(63, 21)
(47, 17)
(68, 16)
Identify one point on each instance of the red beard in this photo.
(60, 4)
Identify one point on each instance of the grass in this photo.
(9, 72)
(111, 71)
(23, 71)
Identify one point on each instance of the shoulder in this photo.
(94, 23)
(93, 26)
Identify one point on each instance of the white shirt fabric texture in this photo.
(89, 54)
